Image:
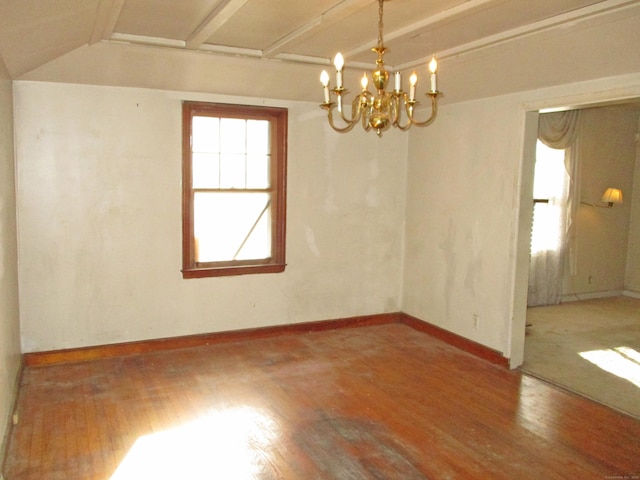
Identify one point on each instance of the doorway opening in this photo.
(599, 301)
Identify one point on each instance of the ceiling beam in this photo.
(467, 8)
(559, 21)
(107, 15)
(216, 19)
(324, 21)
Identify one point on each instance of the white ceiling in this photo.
(159, 43)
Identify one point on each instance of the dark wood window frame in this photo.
(278, 118)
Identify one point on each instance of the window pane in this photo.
(232, 226)
(205, 134)
(233, 135)
(232, 171)
(258, 171)
(206, 170)
(234, 158)
(549, 176)
(546, 232)
(258, 244)
(550, 182)
(258, 136)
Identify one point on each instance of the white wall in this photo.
(99, 213)
(632, 271)
(463, 203)
(9, 316)
(99, 192)
(460, 200)
(607, 159)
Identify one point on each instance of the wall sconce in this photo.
(610, 196)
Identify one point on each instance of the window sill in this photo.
(232, 270)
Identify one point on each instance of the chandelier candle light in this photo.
(382, 109)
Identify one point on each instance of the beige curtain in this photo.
(559, 130)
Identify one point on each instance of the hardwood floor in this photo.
(374, 402)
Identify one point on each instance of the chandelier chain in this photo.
(380, 25)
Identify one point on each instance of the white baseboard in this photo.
(574, 297)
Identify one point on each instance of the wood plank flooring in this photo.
(374, 402)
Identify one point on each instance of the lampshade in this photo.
(612, 195)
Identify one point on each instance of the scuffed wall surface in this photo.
(460, 200)
(99, 205)
(463, 203)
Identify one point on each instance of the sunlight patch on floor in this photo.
(231, 444)
(624, 362)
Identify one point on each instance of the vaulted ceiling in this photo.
(276, 48)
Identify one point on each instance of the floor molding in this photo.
(145, 346)
(82, 354)
(455, 340)
(578, 297)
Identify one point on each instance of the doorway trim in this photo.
(531, 111)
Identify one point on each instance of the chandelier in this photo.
(381, 109)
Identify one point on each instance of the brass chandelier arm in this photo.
(434, 111)
(400, 98)
(329, 108)
(403, 128)
(356, 110)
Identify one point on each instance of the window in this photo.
(234, 189)
(550, 188)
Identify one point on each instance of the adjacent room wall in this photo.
(607, 159)
(9, 314)
(463, 203)
(632, 277)
(99, 206)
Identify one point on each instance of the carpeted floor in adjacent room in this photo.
(591, 347)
